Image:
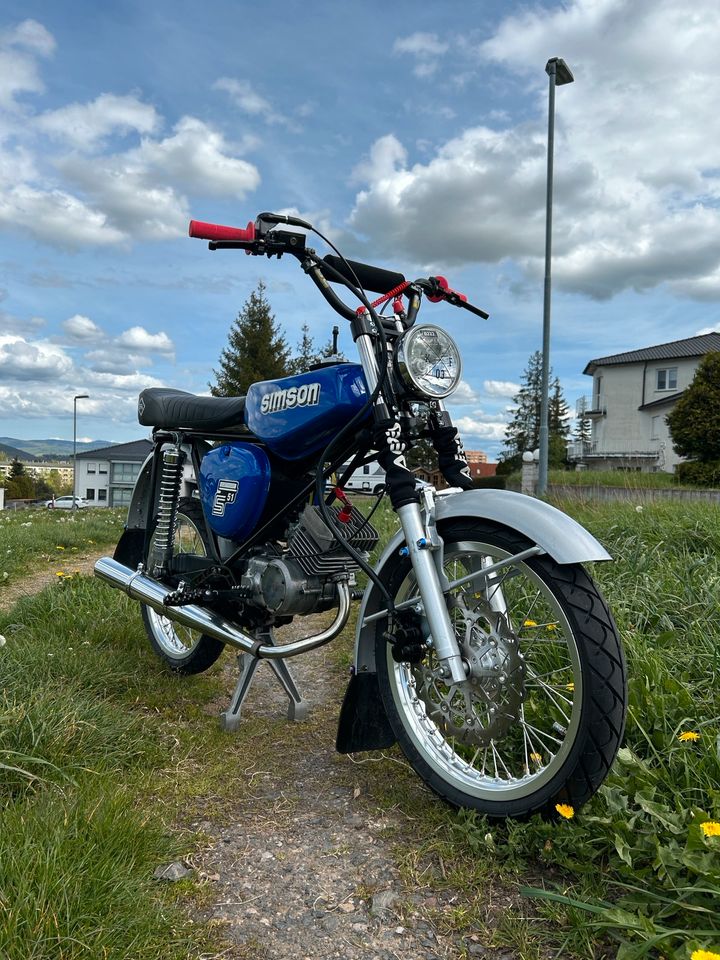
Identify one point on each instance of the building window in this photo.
(667, 379)
(102, 495)
(120, 497)
(125, 472)
(102, 468)
(90, 493)
(92, 468)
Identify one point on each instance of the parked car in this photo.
(65, 503)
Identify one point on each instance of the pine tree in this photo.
(256, 349)
(308, 354)
(16, 469)
(523, 431)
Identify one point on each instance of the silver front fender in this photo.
(565, 540)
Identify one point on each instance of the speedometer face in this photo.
(429, 357)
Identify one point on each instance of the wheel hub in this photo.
(487, 704)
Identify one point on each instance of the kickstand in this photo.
(247, 665)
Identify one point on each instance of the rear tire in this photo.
(541, 717)
(183, 650)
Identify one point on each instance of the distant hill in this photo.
(13, 453)
(45, 449)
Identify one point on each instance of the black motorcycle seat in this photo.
(172, 409)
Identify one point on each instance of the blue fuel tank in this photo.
(297, 416)
(234, 482)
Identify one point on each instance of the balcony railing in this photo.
(580, 450)
(591, 406)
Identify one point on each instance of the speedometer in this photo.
(428, 362)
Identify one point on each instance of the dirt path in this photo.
(305, 868)
(33, 583)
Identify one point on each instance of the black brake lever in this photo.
(456, 301)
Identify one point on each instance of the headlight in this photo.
(428, 361)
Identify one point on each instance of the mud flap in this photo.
(363, 723)
(129, 550)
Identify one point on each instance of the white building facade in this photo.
(632, 394)
(106, 477)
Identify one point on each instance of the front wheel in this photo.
(540, 717)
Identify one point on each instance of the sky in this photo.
(414, 135)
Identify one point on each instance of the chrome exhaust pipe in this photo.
(138, 585)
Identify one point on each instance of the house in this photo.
(632, 394)
(106, 477)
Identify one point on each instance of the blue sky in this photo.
(417, 140)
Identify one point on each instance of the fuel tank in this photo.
(296, 416)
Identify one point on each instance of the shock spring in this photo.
(168, 499)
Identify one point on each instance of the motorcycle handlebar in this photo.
(216, 231)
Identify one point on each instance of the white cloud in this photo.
(479, 428)
(139, 190)
(86, 124)
(81, 329)
(19, 48)
(23, 360)
(637, 181)
(426, 48)
(138, 338)
(244, 96)
(56, 217)
(501, 388)
(464, 394)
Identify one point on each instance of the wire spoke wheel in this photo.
(184, 650)
(541, 652)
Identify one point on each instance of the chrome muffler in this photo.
(138, 585)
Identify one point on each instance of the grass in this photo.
(42, 536)
(101, 754)
(625, 479)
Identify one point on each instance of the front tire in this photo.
(541, 716)
(183, 650)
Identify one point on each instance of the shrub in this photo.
(699, 473)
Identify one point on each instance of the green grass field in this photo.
(103, 756)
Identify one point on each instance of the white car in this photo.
(66, 503)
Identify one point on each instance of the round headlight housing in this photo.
(428, 361)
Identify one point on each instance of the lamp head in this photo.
(562, 72)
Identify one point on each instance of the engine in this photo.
(302, 578)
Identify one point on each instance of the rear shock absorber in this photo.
(164, 537)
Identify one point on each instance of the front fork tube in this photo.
(430, 590)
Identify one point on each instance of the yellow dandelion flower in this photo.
(711, 828)
(60, 573)
(552, 626)
(536, 757)
(688, 736)
(530, 623)
(565, 810)
(704, 955)
(59, 548)
(571, 686)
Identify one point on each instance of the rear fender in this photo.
(129, 550)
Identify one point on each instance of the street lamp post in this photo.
(558, 73)
(79, 396)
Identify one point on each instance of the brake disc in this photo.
(487, 704)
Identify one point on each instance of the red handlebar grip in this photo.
(215, 231)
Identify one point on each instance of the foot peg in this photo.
(298, 708)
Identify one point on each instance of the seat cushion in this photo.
(169, 409)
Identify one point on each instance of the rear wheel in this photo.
(540, 717)
(183, 650)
